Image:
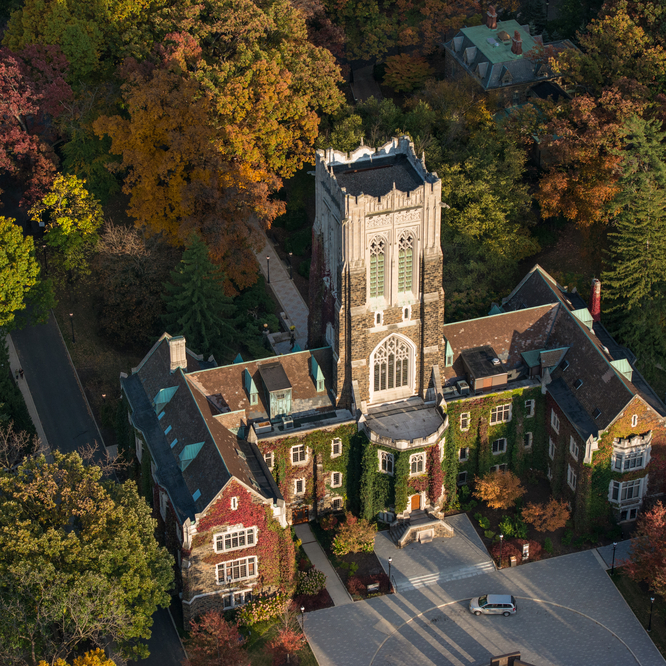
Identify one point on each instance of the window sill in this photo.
(240, 581)
(381, 471)
(300, 463)
(234, 550)
(416, 474)
(498, 453)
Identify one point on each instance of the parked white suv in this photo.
(493, 604)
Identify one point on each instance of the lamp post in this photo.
(649, 627)
(390, 559)
(268, 269)
(291, 274)
(303, 618)
(501, 542)
(71, 321)
(46, 266)
(613, 565)
(104, 397)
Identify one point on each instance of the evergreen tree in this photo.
(196, 304)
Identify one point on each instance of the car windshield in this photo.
(483, 601)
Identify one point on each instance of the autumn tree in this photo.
(79, 564)
(196, 305)
(355, 535)
(15, 445)
(499, 489)
(647, 557)
(288, 642)
(215, 642)
(407, 73)
(548, 516)
(95, 657)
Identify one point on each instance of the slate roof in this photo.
(377, 176)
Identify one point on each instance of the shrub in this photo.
(489, 534)
(262, 608)
(506, 526)
(329, 522)
(548, 545)
(310, 582)
(356, 535)
(353, 568)
(484, 523)
(499, 489)
(547, 517)
(304, 268)
(508, 550)
(567, 538)
(355, 586)
(535, 549)
(513, 527)
(304, 564)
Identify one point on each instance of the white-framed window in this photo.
(235, 570)
(571, 477)
(416, 464)
(554, 421)
(529, 408)
(269, 459)
(549, 473)
(464, 421)
(336, 504)
(405, 262)
(386, 462)
(163, 505)
(628, 514)
(528, 438)
(299, 454)
(237, 599)
(463, 454)
(235, 539)
(299, 486)
(627, 491)
(551, 448)
(462, 478)
(377, 263)
(623, 462)
(500, 414)
(499, 468)
(336, 447)
(634, 420)
(234, 503)
(336, 479)
(573, 448)
(633, 453)
(499, 446)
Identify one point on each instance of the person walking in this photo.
(21, 372)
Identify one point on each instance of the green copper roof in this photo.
(624, 368)
(531, 358)
(479, 35)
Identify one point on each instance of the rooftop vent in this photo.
(496, 361)
(463, 387)
(578, 383)
(597, 413)
(504, 36)
(565, 365)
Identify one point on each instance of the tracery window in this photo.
(391, 364)
(405, 262)
(377, 260)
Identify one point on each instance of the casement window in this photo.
(336, 447)
(386, 462)
(463, 454)
(626, 491)
(571, 477)
(234, 503)
(500, 414)
(529, 408)
(628, 514)
(377, 259)
(464, 421)
(416, 463)
(634, 420)
(336, 504)
(573, 448)
(405, 261)
(551, 448)
(299, 454)
(528, 438)
(554, 421)
(299, 486)
(237, 599)
(269, 459)
(462, 479)
(499, 446)
(235, 570)
(623, 462)
(336, 479)
(235, 539)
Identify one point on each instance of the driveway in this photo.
(569, 612)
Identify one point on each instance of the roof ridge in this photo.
(499, 314)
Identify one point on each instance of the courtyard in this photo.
(569, 612)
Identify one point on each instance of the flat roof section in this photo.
(274, 377)
(376, 177)
(404, 420)
(479, 362)
(492, 47)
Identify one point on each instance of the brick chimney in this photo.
(516, 44)
(595, 300)
(177, 354)
(491, 18)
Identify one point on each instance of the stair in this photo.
(398, 529)
(439, 577)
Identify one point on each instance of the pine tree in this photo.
(196, 304)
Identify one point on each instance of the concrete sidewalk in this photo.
(318, 558)
(285, 291)
(621, 553)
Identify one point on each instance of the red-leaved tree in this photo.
(287, 643)
(215, 642)
(647, 559)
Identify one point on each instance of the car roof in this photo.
(499, 599)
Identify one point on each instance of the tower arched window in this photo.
(377, 263)
(405, 262)
(391, 364)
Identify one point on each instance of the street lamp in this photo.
(650, 620)
(46, 266)
(613, 565)
(501, 542)
(389, 561)
(291, 274)
(303, 618)
(268, 269)
(71, 321)
(103, 397)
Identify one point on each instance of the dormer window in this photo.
(278, 388)
(317, 375)
(596, 413)
(250, 388)
(565, 365)
(578, 383)
(634, 420)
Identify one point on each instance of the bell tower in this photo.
(376, 273)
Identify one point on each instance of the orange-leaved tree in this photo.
(406, 73)
(288, 641)
(95, 657)
(499, 489)
(355, 535)
(215, 642)
(548, 516)
(647, 558)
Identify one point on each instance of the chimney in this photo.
(177, 353)
(595, 300)
(491, 18)
(516, 44)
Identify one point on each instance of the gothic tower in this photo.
(376, 274)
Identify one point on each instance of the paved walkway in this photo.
(569, 612)
(285, 291)
(318, 557)
(621, 553)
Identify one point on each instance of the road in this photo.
(164, 645)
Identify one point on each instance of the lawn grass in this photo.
(263, 633)
(637, 595)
